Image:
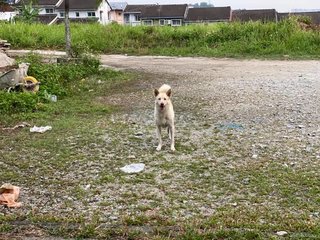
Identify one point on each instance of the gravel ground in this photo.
(230, 114)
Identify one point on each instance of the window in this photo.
(49, 10)
(147, 22)
(126, 18)
(176, 22)
(91, 14)
(77, 14)
(137, 17)
(62, 14)
(162, 22)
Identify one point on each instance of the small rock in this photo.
(255, 156)
(246, 181)
(131, 157)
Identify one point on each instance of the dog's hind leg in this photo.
(159, 138)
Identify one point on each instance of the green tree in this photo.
(28, 13)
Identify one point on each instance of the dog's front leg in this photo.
(159, 138)
(171, 134)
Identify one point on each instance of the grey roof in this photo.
(80, 4)
(46, 19)
(6, 8)
(118, 5)
(78, 20)
(263, 15)
(38, 2)
(282, 16)
(209, 14)
(135, 8)
(164, 11)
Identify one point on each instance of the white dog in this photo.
(164, 114)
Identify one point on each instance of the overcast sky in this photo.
(279, 5)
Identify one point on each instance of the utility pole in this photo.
(67, 29)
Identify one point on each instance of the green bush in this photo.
(57, 79)
(15, 102)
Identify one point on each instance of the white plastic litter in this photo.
(40, 129)
(133, 168)
(282, 233)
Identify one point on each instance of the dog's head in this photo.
(162, 99)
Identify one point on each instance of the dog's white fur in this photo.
(164, 114)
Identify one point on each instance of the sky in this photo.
(279, 5)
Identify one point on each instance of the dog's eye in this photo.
(164, 99)
(159, 98)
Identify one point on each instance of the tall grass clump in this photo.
(235, 39)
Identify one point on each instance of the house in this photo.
(208, 15)
(44, 6)
(263, 15)
(161, 15)
(7, 12)
(52, 11)
(85, 10)
(132, 14)
(46, 9)
(116, 12)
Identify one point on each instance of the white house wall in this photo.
(103, 12)
(7, 16)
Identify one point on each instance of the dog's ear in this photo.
(156, 92)
(169, 93)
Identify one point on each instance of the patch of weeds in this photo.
(138, 220)
(107, 178)
(186, 149)
(17, 102)
(62, 80)
(5, 227)
(79, 193)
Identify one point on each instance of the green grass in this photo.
(252, 39)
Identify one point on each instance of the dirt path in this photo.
(234, 117)
(276, 97)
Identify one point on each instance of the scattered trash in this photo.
(138, 135)
(230, 126)
(22, 125)
(40, 129)
(133, 168)
(9, 195)
(50, 97)
(282, 233)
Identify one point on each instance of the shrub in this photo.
(57, 79)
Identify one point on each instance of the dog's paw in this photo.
(173, 148)
(158, 148)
